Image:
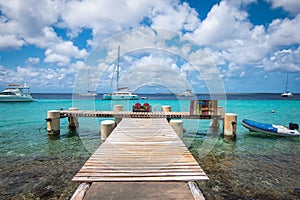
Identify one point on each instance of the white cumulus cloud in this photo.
(292, 6)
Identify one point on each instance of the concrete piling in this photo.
(214, 123)
(73, 120)
(107, 126)
(177, 126)
(166, 108)
(118, 108)
(53, 122)
(230, 122)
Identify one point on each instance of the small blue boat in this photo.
(271, 129)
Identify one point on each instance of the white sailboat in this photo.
(121, 93)
(187, 92)
(89, 93)
(287, 93)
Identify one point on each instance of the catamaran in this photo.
(121, 93)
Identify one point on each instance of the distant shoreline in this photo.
(170, 96)
(228, 93)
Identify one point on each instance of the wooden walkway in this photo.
(141, 149)
(129, 114)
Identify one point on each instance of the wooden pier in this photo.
(144, 153)
(142, 158)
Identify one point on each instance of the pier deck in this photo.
(141, 150)
(141, 159)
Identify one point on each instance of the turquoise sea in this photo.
(254, 166)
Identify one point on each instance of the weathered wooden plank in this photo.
(161, 178)
(134, 174)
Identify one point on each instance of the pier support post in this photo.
(166, 109)
(107, 126)
(177, 125)
(195, 190)
(214, 123)
(118, 108)
(230, 122)
(221, 111)
(73, 121)
(81, 191)
(53, 122)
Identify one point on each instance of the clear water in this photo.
(254, 166)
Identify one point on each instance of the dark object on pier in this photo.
(141, 108)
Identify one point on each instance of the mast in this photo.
(286, 84)
(187, 78)
(118, 69)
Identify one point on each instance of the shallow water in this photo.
(254, 166)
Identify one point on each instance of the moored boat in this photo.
(89, 94)
(16, 93)
(286, 93)
(271, 129)
(107, 96)
(121, 93)
(124, 94)
(187, 93)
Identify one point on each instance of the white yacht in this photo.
(16, 92)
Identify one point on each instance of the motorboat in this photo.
(15, 92)
(271, 129)
(89, 93)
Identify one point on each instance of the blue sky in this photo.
(206, 46)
